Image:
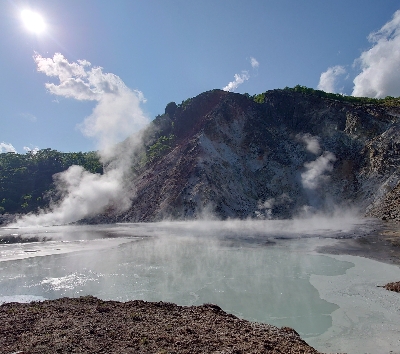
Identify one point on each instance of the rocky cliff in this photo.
(276, 155)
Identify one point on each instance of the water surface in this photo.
(259, 271)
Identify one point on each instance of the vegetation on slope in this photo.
(387, 101)
(26, 179)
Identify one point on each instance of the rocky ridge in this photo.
(231, 156)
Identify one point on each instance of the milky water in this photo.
(257, 271)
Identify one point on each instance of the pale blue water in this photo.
(255, 275)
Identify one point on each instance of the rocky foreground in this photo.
(90, 325)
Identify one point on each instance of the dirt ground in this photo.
(90, 325)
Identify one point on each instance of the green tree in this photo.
(170, 109)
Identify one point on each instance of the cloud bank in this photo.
(380, 65)
(29, 117)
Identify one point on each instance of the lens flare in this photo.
(33, 21)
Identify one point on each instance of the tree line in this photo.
(387, 101)
(26, 181)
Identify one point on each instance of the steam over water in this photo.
(266, 271)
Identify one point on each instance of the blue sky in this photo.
(154, 52)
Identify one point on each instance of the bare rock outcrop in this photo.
(232, 156)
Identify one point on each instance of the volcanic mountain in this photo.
(274, 155)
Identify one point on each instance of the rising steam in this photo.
(116, 116)
(316, 170)
(316, 173)
(241, 78)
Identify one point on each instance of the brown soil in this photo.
(90, 325)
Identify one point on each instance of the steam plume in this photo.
(117, 115)
(316, 170)
(239, 79)
(265, 209)
(83, 194)
(312, 143)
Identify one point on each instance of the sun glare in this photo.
(33, 21)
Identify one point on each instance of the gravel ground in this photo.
(90, 325)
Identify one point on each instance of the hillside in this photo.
(26, 180)
(274, 155)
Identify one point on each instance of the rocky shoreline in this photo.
(91, 325)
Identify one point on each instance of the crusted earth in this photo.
(90, 325)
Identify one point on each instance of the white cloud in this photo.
(239, 79)
(59, 66)
(5, 147)
(328, 79)
(254, 63)
(117, 114)
(78, 80)
(380, 65)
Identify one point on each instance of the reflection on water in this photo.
(250, 272)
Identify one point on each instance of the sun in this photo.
(33, 21)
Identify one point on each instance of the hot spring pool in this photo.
(261, 271)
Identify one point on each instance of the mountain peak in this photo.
(238, 156)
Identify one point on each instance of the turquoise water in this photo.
(259, 277)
